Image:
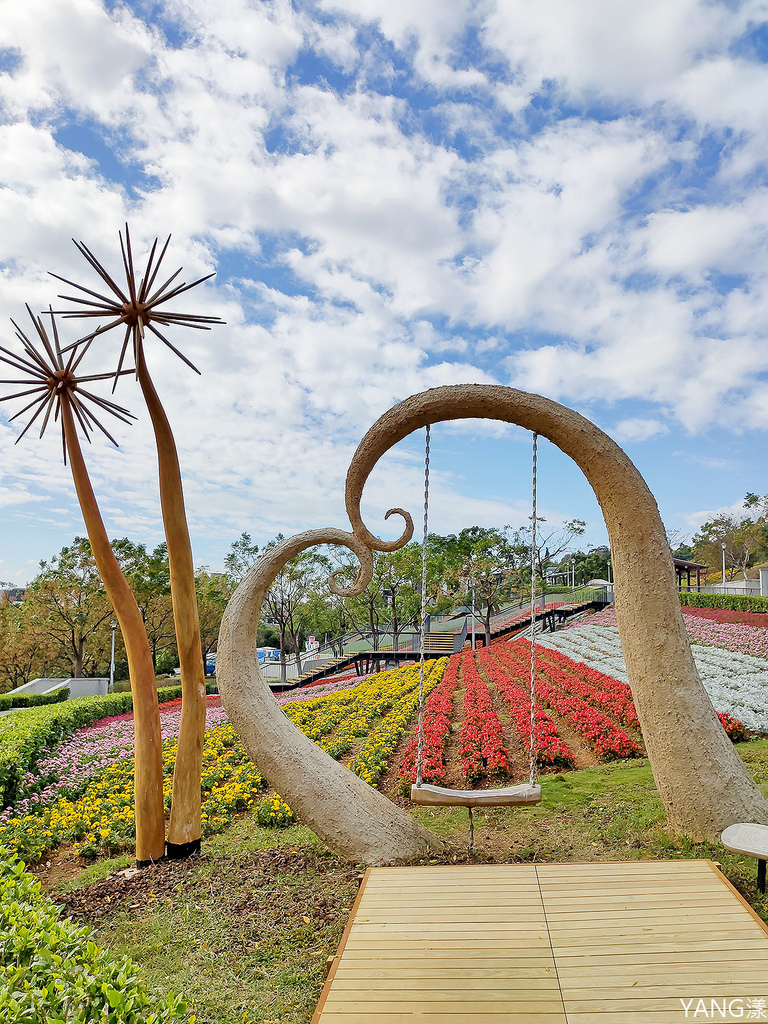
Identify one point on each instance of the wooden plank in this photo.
(364, 1008)
(586, 978)
(438, 996)
(640, 978)
(460, 944)
(580, 998)
(454, 1017)
(498, 986)
(738, 953)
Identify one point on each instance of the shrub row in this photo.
(53, 971)
(32, 700)
(26, 737)
(738, 602)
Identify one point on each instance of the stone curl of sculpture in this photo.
(354, 819)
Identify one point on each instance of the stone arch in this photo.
(701, 779)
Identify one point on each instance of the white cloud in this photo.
(636, 428)
(417, 221)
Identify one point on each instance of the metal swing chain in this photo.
(422, 630)
(533, 617)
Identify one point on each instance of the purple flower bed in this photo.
(86, 755)
(319, 691)
(733, 636)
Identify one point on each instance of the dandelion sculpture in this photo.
(56, 387)
(140, 308)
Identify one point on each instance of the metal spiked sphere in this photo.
(137, 305)
(48, 376)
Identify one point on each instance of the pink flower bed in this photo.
(89, 752)
(213, 700)
(705, 630)
(310, 693)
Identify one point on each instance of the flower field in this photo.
(477, 730)
(731, 658)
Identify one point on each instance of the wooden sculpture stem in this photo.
(148, 773)
(700, 777)
(184, 826)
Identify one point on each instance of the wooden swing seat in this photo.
(512, 796)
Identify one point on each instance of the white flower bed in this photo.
(736, 683)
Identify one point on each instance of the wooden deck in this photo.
(618, 943)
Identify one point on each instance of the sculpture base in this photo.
(180, 851)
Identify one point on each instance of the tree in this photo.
(588, 565)
(149, 576)
(489, 563)
(242, 554)
(26, 649)
(213, 592)
(286, 596)
(743, 538)
(74, 607)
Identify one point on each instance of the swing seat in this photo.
(512, 796)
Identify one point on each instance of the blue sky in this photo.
(567, 198)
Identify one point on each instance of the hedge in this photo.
(51, 970)
(32, 700)
(24, 738)
(737, 602)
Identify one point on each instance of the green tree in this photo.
(242, 554)
(285, 601)
(743, 539)
(149, 577)
(26, 649)
(488, 562)
(73, 607)
(589, 565)
(213, 593)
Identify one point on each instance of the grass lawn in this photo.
(244, 932)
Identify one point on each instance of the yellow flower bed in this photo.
(373, 758)
(101, 820)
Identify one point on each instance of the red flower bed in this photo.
(728, 615)
(550, 749)
(481, 748)
(438, 715)
(735, 730)
(555, 686)
(604, 692)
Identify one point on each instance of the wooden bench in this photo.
(750, 839)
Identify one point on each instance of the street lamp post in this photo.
(723, 546)
(389, 595)
(113, 627)
(474, 620)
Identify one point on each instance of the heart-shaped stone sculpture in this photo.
(700, 777)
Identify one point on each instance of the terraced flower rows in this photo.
(477, 724)
(83, 793)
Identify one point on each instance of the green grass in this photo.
(245, 945)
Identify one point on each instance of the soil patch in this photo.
(132, 890)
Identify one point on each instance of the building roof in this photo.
(680, 563)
